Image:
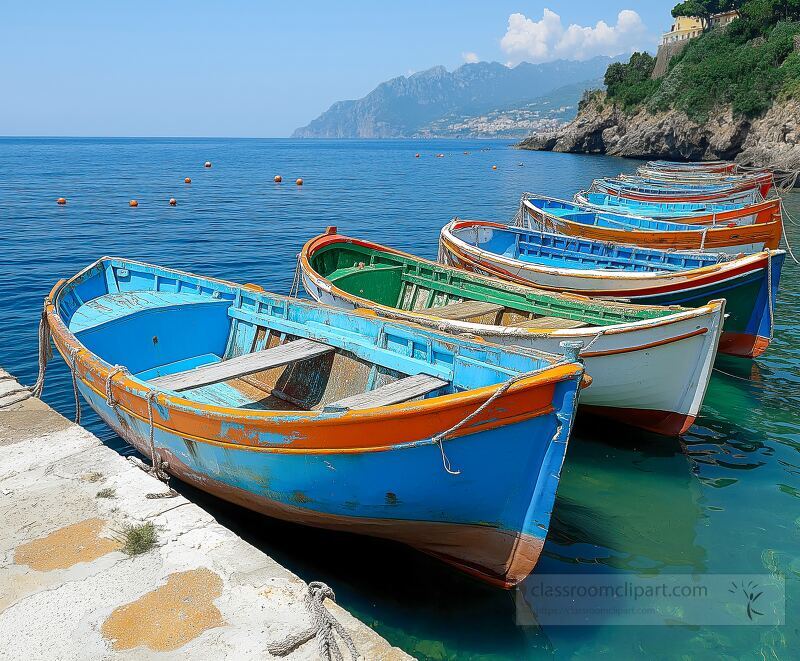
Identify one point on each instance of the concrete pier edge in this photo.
(68, 590)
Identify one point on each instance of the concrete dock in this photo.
(90, 567)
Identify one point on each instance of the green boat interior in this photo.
(415, 285)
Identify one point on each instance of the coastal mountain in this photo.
(545, 113)
(407, 106)
(731, 93)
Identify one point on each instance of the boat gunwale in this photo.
(719, 267)
(714, 236)
(309, 248)
(729, 215)
(125, 383)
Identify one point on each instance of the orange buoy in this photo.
(416, 155)
(207, 164)
(173, 202)
(494, 167)
(133, 203)
(277, 179)
(61, 200)
(187, 180)
(299, 182)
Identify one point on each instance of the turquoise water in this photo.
(724, 499)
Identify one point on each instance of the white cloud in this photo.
(470, 57)
(548, 39)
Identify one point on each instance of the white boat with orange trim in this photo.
(650, 365)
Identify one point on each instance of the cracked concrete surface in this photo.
(208, 593)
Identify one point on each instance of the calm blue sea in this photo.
(725, 499)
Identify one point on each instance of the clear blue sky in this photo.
(237, 68)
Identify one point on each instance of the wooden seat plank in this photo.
(465, 310)
(549, 323)
(392, 393)
(290, 352)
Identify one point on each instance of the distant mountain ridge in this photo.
(405, 106)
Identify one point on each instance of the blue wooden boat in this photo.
(571, 219)
(749, 284)
(701, 213)
(649, 190)
(325, 417)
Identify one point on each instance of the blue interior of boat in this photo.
(645, 184)
(586, 216)
(156, 322)
(656, 209)
(548, 249)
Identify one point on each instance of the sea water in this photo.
(725, 499)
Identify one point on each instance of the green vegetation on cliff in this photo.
(746, 65)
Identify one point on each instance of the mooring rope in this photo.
(324, 628)
(788, 247)
(769, 294)
(45, 351)
(73, 354)
(158, 467)
(441, 436)
(294, 290)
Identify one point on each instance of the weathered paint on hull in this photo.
(412, 501)
(372, 470)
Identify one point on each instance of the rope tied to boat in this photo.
(324, 628)
(73, 358)
(519, 216)
(788, 246)
(703, 239)
(110, 401)
(441, 436)
(294, 290)
(45, 350)
(769, 295)
(158, 467)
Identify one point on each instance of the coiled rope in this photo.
(324, 628)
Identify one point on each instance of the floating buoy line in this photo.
(62, 201)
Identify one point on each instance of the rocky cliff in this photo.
(772, 140)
